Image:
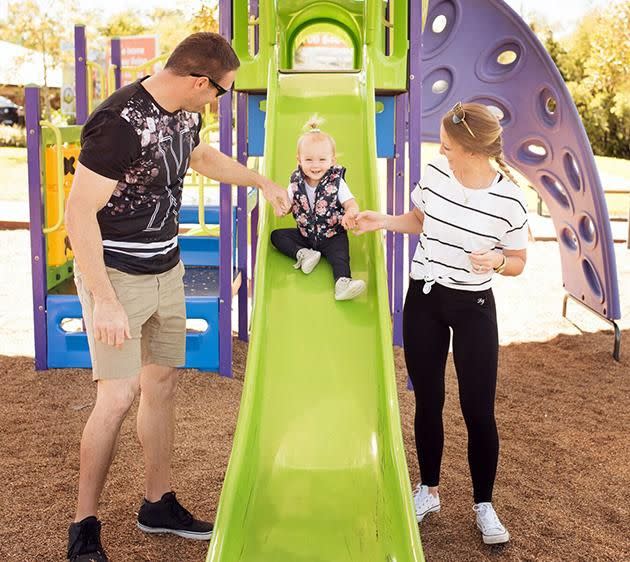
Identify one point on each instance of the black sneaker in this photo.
(168, 516)
(84, 541)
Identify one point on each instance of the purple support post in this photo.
(241, 216)
(38, 243)
(399, 209)
(415, 104)
(254, 238)
(225, 219)
(80, 74)
(389, 237)
(388, 30)
(116, 57)
(253, 8)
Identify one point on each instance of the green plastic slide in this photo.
(318, 470)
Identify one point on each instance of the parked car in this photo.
(9, 112)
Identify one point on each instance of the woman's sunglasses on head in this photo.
(459, 116)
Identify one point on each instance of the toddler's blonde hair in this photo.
(313, 131)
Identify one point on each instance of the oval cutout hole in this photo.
(496, 111)
(569, 239)
(439, 24)
(537, 149)
(507, 58)
(593, 280)
(439, 87)
(532, 152)
(556, 190)
(588, 232)
(573, 171)
(196, 326)
(71, 325)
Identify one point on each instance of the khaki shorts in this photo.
(156, 308)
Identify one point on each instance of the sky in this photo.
(562, 14)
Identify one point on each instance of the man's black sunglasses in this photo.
(220, 89)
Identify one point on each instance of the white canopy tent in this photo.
(21, 66)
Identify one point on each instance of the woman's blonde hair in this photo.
(479, 131)
(313, 130)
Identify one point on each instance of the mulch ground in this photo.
(562, 488)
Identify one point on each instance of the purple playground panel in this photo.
(241, 220)
(81, 74)
(225, 222)
(482, 51)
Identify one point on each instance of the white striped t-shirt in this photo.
(458, 221)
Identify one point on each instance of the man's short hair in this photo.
(203, 53)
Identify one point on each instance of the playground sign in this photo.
(135, 51)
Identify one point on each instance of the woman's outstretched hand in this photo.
(369, 221)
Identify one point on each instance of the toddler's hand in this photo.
(349, 220)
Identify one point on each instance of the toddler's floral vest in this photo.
(324, 220)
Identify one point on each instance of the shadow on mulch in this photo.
(564, 473)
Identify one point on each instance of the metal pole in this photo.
(241, 216)
(225, 219)
(399, 209)
(80, 74)
(38, 243)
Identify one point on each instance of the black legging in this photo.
(426, 323)
(336, 249)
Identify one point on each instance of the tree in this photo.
(170, 26)
(39, 29)
(123, 24)
(595, 63)
(603, 92)
(205, 19)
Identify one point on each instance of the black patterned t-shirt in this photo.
(131, 139)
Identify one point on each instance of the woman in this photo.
(472, 222)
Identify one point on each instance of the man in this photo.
(122, 220)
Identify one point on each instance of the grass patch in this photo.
(14, 179)
(615, 173)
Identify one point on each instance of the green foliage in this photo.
(123, 23)
(170, 26)
(206, 18)
(41, 29)
(595, 63)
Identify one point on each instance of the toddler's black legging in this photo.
(336, 249)
(426, 322)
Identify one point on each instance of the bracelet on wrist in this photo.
(501, 267)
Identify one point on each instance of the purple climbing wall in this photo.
(482, 51)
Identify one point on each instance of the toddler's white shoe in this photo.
(307, 260)
(346, 288)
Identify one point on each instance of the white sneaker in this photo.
(346, 288)
(425, 502)
(492, 530)
(307, 260)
